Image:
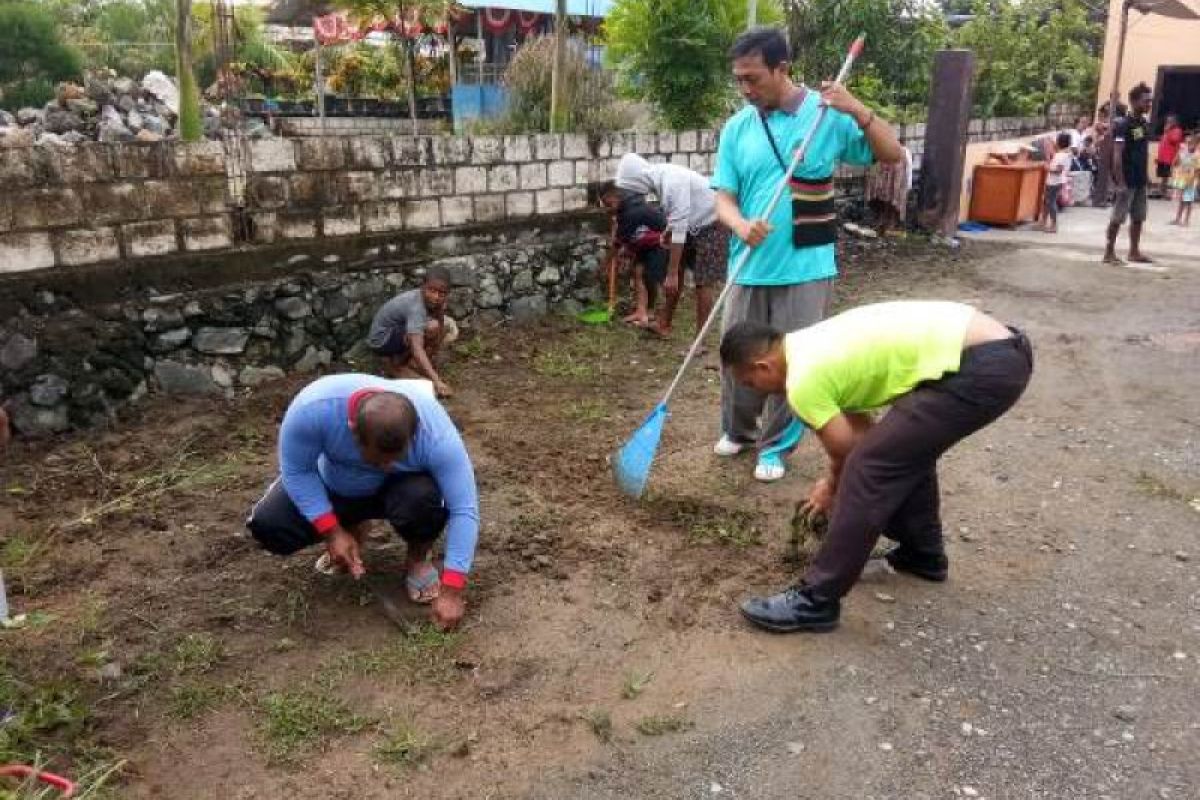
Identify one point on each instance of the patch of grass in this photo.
(600, 723)
(43, 719)
(93, 784)
(296, 609)
(187, 472)
(295, 722)
(193, 700)
(732, 532)
(475, 348)
(590, 410)
(635, 683)
(423, 654)
(560, 363)
(20, 558)
(658, 724)
(403, 746)
(1154, 486)
(197, 653)
(709, 523)
(90, 620)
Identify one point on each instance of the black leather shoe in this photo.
(793, 610)
(930, 567)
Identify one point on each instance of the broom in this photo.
(631, 464)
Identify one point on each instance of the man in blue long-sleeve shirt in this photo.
(355, 448)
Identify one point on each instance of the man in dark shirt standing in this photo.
(1129, 175)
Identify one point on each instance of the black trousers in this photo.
(410, 501)
(889, 482)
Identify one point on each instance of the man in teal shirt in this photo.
(788, 283)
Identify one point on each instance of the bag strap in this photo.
(762, 117)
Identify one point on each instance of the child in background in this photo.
(1185, 180)
(1055, 178)
(637, 236)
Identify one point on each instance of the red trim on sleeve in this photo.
(325, 523)
(453, 579)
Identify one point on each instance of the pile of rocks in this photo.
(105, 108)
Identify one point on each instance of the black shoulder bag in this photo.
(814, 216)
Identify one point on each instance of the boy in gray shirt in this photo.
(409, 329)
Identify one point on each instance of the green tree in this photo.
(132, 37)
(33, 56)
(1032, 53)
(674, 53)
(893, 72)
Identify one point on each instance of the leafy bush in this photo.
(33, 56)
(893, 73)
(1031, 54)
(592, 103)
(674, 53)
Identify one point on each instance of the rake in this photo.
(631, 464)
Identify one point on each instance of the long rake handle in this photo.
(797, 160)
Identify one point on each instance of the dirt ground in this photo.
(603, 656)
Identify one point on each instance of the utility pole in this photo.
(1115, 97)
(558, 77)
(752, 14)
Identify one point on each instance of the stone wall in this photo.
(355, 126)
(92, 203)
(65, 364)
(206, 268)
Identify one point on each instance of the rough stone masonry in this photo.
(211, 267)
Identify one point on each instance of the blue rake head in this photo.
(632, 462)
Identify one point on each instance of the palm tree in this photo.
(400, 13)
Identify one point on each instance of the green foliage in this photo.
(403, 746)
(1032, 53)
(33, 55)
(295, 722)
(600, 722)
(45, 717)
(674, 53)
(1029, 53)
(133, 37)
(659, 724)
(893, 73)
(635, 683)
(198, 653)
(591, 102)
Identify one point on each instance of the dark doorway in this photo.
(1177, 91)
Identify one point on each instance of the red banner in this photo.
(335, 28)
(528, 20)
(497, 20)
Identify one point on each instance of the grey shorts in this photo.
(1129, 203)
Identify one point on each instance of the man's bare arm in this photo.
(839, 437)
(416, 342)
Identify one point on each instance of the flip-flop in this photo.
(424, 587)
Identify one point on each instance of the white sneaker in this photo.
(727, 447)
(769, 468)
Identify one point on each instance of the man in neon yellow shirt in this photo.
(945, 369)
